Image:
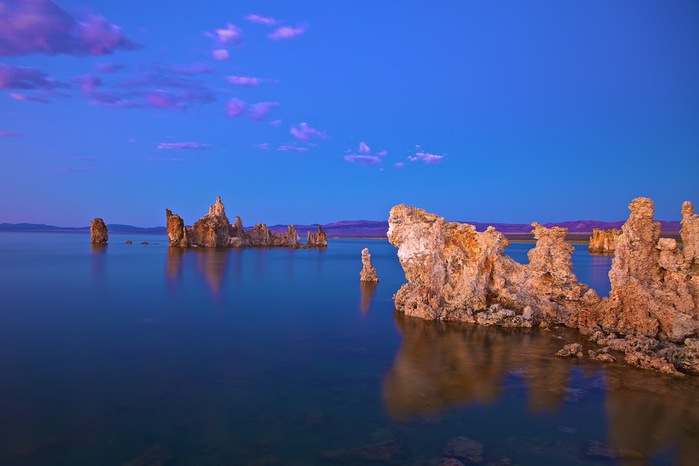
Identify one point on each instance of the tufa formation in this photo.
(368, 273)
(455, 273)
(98, 232)
(214, 230)
(603, 241)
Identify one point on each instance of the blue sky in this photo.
(304, 112)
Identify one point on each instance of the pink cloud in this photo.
(8, 134)
(426, 157)
(363, 148)
(286, 32)
(259, 19)
(160, 86)
(383, 153)
(231, 34)
(21, 77)
(221, 54)
(292, 148)
(41, 26)
(276, 123)
(88, 83)
(183, 146)
(365, 160)
(399, 164)
(28, 98)
(247, 81)
(260, 110)
(108, 68)
(305, 133)
(235, 107)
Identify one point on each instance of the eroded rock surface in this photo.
(98, 232)
(603, 241)
(368, 273)
(214, 230)
(455, 273)
(317, 240)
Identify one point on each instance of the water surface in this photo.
(211, 357)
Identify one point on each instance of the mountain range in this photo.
(355, 228)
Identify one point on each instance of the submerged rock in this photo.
(603, 241)
(455, 273)
(368, 273)
(98, 232)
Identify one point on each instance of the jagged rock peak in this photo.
(98, 232)
(690, 236)
(317, 240)
(218, 209)
(368, 273)
(176, 231)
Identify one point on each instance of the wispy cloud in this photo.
(43, 27)
(263, 145)
(305, 133)
(246, 81)
(221, 54)
(292, 148)
(361, 159)
(383, 153)
(183, 146)
(426, 157)
(8, 134)
(259, 19)
(108, 67)
(230, 35)
(188, 70)
(28, 98)
(286, 32)
(21, 77)
(235, 107)
(364, 148)
(259, 111)
(399, 164)
(158, 86)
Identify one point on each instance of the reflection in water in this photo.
(173, 266)
(98, 259)
(442, 366)
(211, 263)
(368, 289)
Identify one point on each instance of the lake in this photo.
(141, 355)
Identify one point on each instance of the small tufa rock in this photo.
(368, 273)
(603, 241)
(128, 241)
(572, 350)
(98, 232)
(317, 240)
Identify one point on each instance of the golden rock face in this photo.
(98, 232)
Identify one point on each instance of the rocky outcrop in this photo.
(655, 291)
(98, 232)
(176, 232)
(455, 273)
(368, 273)
(317, 240)
(603, 241)
(214, 230)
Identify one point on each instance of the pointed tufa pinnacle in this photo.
(98, 232)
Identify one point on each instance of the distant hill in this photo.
(353, 228)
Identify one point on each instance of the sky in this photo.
(312, 112)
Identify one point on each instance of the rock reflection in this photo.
(440, 366)
(212, 263)
(368, 290)
(174, 264)
(98, 259)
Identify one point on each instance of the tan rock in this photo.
(690, 236)
(176, 232)
(213, 230)
(603, 241)
(572, 350)
(317, 240)
(98, 232)
(368, 273)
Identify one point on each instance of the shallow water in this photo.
(211, 357)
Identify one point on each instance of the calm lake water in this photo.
(140, 355)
